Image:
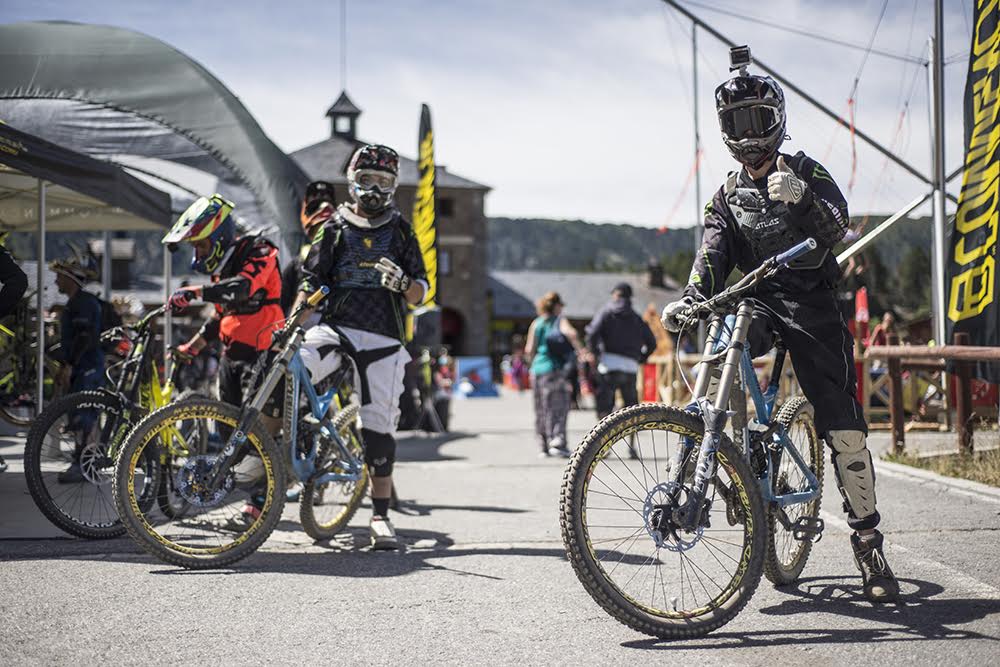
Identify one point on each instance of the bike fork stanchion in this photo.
(715, 416)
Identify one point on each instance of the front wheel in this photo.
(224, 521)
(786, 556)
(617, 510)
(68, 463)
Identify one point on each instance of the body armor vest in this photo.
(767, 225)
(359, 253)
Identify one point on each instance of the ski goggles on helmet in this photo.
(749, 122)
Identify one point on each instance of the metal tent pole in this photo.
(936, 72)
(40, 284)
(106, 265)
(860, 244)
(168, 317)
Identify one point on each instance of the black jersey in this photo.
(343, 257)
(730, 243)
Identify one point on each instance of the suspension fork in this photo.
(715, 416)
(238, 438)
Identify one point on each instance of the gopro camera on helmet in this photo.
(740, 59)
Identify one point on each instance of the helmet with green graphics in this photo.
(207, 225)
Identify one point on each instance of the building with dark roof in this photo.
(461, 225)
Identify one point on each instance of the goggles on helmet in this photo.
(749, 122)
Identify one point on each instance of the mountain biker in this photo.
(318, 206)
(80, 353)
(15, 283)
(370, 258)
(245, 286)
(773, 202)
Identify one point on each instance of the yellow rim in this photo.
(151, 436)
(634, 426)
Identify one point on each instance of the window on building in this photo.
(444, 263)
(343, 124)
(445, 207)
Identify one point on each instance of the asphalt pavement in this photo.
(484, 578)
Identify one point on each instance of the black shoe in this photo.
(879, 581)
(72, 475)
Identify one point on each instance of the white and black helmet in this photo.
(372, 176)
(751, 113)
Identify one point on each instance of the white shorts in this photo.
(381, 362)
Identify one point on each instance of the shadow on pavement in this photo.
(917, 616)
(418, 446)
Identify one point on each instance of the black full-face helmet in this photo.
(751, 113)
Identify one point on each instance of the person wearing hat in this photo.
(80, 353)
(620, 341)
(552, 345)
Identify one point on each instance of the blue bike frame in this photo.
(304, 464)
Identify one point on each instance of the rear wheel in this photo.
(82, 431)
(325, 509)
(617, 517)
(786, 556)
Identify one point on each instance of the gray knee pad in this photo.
(852, 463)
(380, 452)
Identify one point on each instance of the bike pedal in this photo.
(808, 528)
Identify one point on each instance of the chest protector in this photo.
(359, 252)
(767, 225)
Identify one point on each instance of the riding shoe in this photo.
(880, 583)
(382, 533)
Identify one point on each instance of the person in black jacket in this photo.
(318, 206)
(774, 202)
(15, 283)
(620, 341)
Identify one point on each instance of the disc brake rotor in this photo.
(95, 464)
(193, 482)
(657, 518)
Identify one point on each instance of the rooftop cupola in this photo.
(343, 117)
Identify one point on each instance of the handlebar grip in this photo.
(317, 296)
(796, 251)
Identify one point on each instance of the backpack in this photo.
(557, 344)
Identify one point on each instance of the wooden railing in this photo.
(900, 358)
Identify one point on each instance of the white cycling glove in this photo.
(672, 310)
(783, 185)
(393, 277)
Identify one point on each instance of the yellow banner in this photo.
(423, 207)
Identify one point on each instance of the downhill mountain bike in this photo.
(18, 364)
(88, 427)
(673, 542)
(323, 443)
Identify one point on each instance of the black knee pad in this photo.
(380, 452)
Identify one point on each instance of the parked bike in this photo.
(322, 442)
(18, 368)
(672, 541)
(88, 428)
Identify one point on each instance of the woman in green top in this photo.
(549, 368)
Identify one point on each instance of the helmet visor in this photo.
(749, 122)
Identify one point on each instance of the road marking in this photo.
(970, 584)
(951, 485)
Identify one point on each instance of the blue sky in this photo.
(568, 109)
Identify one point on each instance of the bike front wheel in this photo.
(68, 463)
(647, 571)
(222, 522)
(787, 556)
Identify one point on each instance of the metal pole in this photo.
(106, 265)
(40, 284)
(936, 70)
(804, 95)
(698, 222)
(860, 244)
(168, 318)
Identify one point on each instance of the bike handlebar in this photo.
(746, 283)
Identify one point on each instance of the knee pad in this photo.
(852, 463)
(380, 452)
